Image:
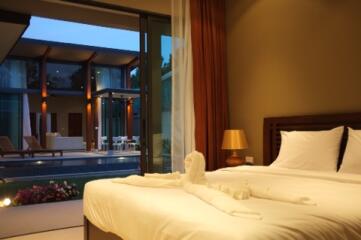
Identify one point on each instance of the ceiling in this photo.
(156, 6)
(74, 12)
(13, 25)
(72, 52)
(82, 11)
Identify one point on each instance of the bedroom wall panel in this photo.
(289, 58)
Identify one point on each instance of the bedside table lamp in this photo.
(234, 139)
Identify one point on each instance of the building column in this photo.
(44, 96)
(130, 118)
(96, 127)
(88, 108)
(110, 121)
(129, 105)
(89, 129)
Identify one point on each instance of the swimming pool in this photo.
(21, 175)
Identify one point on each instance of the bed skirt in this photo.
(91, 232)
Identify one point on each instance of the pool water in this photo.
(36, 176)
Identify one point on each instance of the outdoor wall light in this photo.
(5, 203)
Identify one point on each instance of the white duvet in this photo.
(137, 213)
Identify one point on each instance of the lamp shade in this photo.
(234, 139)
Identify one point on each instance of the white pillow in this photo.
(351, 162)
(310, 150)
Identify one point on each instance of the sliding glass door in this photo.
(156, 76)
(11, 118)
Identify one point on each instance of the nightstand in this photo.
(237, 162)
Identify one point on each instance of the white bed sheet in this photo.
(136, 213)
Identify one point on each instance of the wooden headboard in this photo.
(272, 127)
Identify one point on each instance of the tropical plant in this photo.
(51, 192)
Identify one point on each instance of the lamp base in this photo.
(234, 160)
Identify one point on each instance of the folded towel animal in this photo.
(169, 176)
(195, 166)
(194, 182)
(221, 201)
(245, 191)
(154, 182)
(239, 193)
(276, 195)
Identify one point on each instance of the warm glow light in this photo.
(234, 139)
(43, 106)
(6, 202)
(89, 107)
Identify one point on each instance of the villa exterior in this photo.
(101, 108)
(49, 90)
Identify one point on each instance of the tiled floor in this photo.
(75, 233)
(35, 218)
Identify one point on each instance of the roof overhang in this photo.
(73, 52)
(12, 27)
(118, 93)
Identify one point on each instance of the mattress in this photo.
(137, 213)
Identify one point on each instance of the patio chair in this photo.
(117, 143)
(7, 148)
(104, 143)
(35, 147)
(124, 143)
(135, 144)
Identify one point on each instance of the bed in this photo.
(118, 211)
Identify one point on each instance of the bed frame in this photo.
(271, 146)
(92, 232)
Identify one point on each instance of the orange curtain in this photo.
(209, 78)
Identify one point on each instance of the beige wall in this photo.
(62, 106)
(291, 57)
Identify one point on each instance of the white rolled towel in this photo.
(169, 176)
(140, 181)
(239, 193)
(194, 182)
(276, 195)
(194, 173)
(221, 201)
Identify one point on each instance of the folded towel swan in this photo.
(193, 182)
(222, 197)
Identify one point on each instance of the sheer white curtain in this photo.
(183, 140)
(26, 119)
